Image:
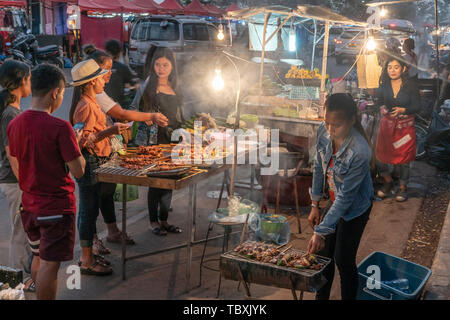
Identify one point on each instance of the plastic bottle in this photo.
(399, 284)
(153, 139)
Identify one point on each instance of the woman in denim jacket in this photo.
(342, 172)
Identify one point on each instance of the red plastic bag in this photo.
(396, 143)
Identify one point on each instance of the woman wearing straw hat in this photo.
(96, 148)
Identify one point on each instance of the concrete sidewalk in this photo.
(438, 287)
(162, 276)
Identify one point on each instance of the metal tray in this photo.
(253, 271)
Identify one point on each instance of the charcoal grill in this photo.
(234, 266)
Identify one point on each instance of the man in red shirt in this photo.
(46, 150)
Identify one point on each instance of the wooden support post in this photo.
(263, 50)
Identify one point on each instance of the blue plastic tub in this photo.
(391, 268)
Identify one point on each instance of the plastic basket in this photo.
(391, 267)
(304, 93)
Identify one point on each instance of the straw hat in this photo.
(86, 71)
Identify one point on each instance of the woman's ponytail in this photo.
(12, 73)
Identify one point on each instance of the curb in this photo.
(438, 287)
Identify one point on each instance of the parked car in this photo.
(335, 32)
(191, 38)
(348, 44)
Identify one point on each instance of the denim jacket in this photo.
(351, 174)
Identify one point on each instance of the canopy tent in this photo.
(169, 6)
(149, 6)
(13, 3)
(233, 7)
(196, 8)
(324, 14)
(386, 3)
(115, 6)
(214, 10)
(100, 5)
(266, 15)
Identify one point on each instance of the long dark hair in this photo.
(76, 97)
(148, 60)
(149, 96)
(384, 78)
(346, 106)
(12, 73)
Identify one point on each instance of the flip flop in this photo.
(159, 231)
(173, 229)
(90, 270)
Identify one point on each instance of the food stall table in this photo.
(189, 180)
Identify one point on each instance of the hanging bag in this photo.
(396, 143)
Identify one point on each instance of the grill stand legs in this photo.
(246, 286)
(294, 293)
(124, 230)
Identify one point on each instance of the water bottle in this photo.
(153, 134)
(399, 284)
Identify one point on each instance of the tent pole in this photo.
(263, 51)
(325, 56)
(324, 65)
(436, 21)
(314, 45)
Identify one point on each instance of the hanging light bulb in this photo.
(217, 82)
(292, 39)
(371, 44)
(220, 35)
(383, 12)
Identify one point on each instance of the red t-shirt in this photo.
(42, 145)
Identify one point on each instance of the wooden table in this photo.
(189, 180)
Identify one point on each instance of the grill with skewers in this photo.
(263, 270)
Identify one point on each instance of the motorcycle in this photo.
(25, 48)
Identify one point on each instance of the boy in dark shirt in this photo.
(121, 74)
(46, 150)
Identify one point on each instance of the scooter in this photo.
(25, 48)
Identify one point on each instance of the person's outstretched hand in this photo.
(160, 119)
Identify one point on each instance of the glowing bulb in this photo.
(292, 44)
(217, 82)
(220, 35)
(383, 12)
(371, 44)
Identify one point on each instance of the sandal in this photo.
(99, 248)
(173, 229)
(102, 260)
(159, 231)
(117, 238)
(90, 270)
(29, 287)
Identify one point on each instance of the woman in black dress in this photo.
(399, 95)
(162, 94)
